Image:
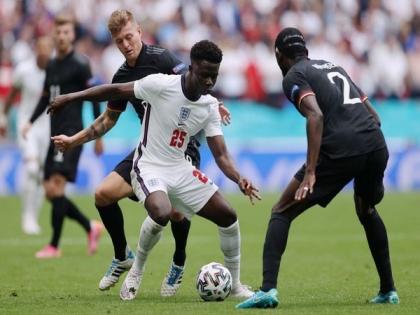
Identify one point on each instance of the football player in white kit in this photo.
(178, 106)
(28, 79)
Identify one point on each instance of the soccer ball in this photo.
(214, 282)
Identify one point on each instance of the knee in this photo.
(229, 218)
(32, 168)
(50, 192)
(103, 196)
(176, 216)
(160, 215)
(363, 209)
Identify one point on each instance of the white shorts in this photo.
(188, 188)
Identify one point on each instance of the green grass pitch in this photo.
(327, 267)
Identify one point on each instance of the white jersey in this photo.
(171, 119)
(30, 80)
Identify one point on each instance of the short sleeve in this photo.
(172, 65)
(214, 126)
(147, 87)
(85, 74)
(296, 87)
(117, 105)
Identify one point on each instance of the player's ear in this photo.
(190, 68)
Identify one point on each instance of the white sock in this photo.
(230, 243)
(150, 234)
(32, 193)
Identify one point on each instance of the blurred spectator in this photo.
(362, 36)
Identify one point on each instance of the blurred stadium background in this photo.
(377, 42)
(327, 268)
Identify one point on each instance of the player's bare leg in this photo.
(222, 214)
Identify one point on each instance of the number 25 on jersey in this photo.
(178, 138)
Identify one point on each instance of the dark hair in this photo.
(291, 43)
(206, 50)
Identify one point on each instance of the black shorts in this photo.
(62, 163)
(332, 175)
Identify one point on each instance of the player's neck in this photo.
(61, 54)
(188, 89)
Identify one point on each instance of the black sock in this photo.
(113, 221)
(74, 213)
(378, 243)
(58, 213)
(274, 246)
(180, 232)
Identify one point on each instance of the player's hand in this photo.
(25, 129)
(248, 189)
(99, 147)
(62, 142)
(224, 114)
(306, 187)
(57, 103)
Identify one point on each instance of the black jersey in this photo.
(67, 75)
(152, 59)
(349, 128)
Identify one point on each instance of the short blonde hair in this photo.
(119, 19)
(64, 18)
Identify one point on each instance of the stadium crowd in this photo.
(376, 41)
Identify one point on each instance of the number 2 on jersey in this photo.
(346, 88)
(178, 138)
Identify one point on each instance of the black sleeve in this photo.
(85, 75)
(171, 64)
(96, 109)
(296, 86)
(40, 108)
(117, 105)
(43, 101)
(86, 80)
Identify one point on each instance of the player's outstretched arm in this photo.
(225, 162)
(314, 126)
(104, 92)
(99, 127)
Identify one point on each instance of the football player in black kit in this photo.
(140, 60)
(345, 142)
(67, 72)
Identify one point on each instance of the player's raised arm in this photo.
(99, 127)
(104, 92)
(227, 165)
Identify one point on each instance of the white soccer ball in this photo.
(214, 282)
